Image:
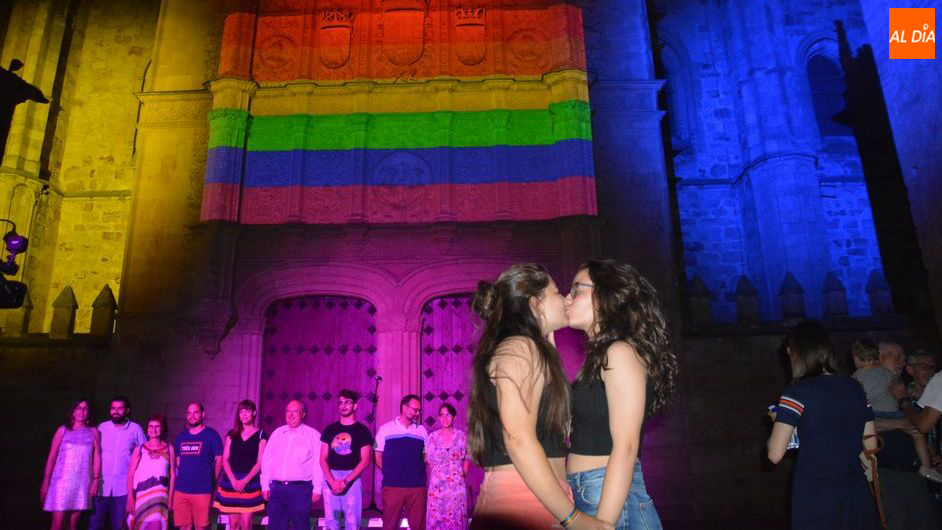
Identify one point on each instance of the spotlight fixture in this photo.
(12, 293)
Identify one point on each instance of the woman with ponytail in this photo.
(628, 374)
(518, 414)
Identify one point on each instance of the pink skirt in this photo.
(505, 502)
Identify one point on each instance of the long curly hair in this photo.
(628, 308)
(505, 308)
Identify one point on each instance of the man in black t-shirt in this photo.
(346, 450)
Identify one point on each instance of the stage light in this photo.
(12, 293)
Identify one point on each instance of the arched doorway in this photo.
(449, 335)
(313, 347)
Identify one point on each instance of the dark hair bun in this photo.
(485, 300)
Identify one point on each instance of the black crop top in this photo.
(495, 454)
(590, 430)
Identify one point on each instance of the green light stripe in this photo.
(561, 121)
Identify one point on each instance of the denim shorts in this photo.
(637, 514)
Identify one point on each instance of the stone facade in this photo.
(109, 188)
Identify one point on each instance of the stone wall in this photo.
(729, 134)
(916, 118)
(95, 172)
(851, 239)
(77, 211)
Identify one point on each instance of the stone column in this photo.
(397, 361)
(634, 199)
(779, 190)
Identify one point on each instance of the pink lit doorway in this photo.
(313, 347)
(449, 335)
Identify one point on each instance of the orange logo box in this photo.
(912, 33)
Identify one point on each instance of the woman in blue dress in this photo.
(834, 424)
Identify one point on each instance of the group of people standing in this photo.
(131, 478)
(553, 453)
(833, 419)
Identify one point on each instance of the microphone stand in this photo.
(372, 419)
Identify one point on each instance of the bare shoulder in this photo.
(622, 355)
(514, 355)
(518, 344)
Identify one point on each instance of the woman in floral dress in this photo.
(447, 457)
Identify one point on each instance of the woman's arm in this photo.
(257, 468)
(135, 460)
(870, 438)
(519, 386)
(96, 462)
(173, 478)
(51, 462)
(225, 462)
(625, 381)
(778, 441)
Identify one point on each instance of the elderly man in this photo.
(925, 412)
(291, 471)
(892, 356)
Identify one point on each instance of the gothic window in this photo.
(827, 94)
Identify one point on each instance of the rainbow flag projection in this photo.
(402, 111)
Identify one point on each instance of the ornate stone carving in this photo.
(334, 36)
(404, 30)
(397, 181)
(276, 52)
(470, 26)
(528, 45)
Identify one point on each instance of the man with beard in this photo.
(400, 450)
(119, 437)
(199, 459)
(345, 453)
(290, 470)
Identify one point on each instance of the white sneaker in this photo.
(928, 473)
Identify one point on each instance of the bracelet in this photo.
(570, 518)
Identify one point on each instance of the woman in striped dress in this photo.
(150, 479)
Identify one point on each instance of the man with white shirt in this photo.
(930, 403)
(291, 471)
(119, 437)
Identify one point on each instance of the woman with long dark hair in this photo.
(73, 468)
(239, 494)
(628, 375)
(834, 423)
(518, 414)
